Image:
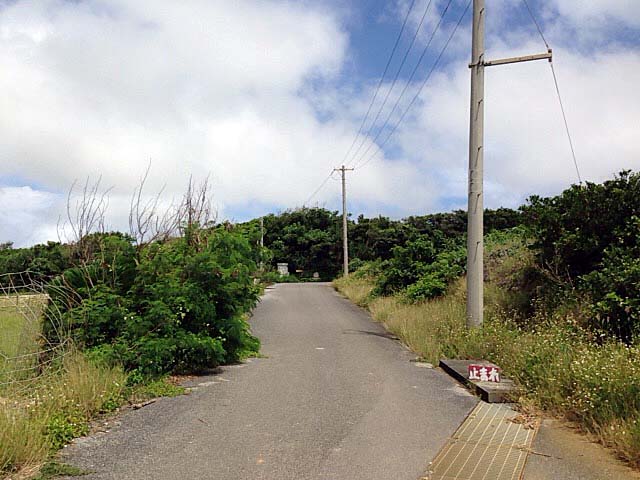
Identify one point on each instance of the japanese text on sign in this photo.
(484, 373)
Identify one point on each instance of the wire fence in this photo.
(27, 352)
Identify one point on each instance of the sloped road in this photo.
(333, 398)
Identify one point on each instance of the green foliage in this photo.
(573, 229)
(588, 238)
(436, 277)
(374, 238)
(63, 427)
(365, 269)
(309, 239)
(420, 255)
(149, 388)
(167, 307)
(270, 277)
(615, 285)
(22, 266)
(56, 469)
(423, 267)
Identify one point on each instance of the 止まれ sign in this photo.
(484, 373)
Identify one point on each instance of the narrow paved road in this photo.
(333, 398)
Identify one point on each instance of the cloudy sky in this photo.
(266, 96)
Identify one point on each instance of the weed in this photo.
(56, 469)
(160, 387)
(56, 408)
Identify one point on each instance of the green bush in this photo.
(21, 266)
(615, 286)
(63, 427)
(176, 306)
(573, 229)
(422, 268)
(588, 239)
(438, 275)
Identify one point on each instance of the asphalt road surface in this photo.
(334, 397)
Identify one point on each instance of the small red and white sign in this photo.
(484, 373)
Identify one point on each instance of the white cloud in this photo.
(249, 92)
(22, 213)
(526, 148)
(99, 88)
(600, 12)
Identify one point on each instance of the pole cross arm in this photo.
(526, 58)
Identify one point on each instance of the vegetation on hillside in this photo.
(309, 240)
(174, 306)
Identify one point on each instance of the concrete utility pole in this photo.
(345, 239)
(262, 231)
(261, 266)
(475, 211)
(475, 231)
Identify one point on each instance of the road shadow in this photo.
(388, 335)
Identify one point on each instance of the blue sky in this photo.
(265, 97)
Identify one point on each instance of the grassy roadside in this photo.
(20, 323)
(558, 366)
(45, 405)
(40, 417)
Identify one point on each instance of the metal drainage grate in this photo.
(487, 446)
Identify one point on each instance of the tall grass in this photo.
(557, 365)
(47, 395)
(20, 319)
(54, 407)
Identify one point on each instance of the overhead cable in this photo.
(395, 79)
(318, 189)
(384, 73)
(555, 82)
(424, 82)
(407, 84)
(566, 124)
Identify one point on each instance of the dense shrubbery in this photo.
(428, 253)
(310, 240)
(21, 266)
(588, 237)
(423, 266)
(586, 244)
(168, 306)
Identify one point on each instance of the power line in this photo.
(318, 189)
(535, 21)
(395, 79)
(386, 68)
(375, 95)
(555, 82)
(407, 84)
(566, 124)
(415, 97)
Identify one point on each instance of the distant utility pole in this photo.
(262, 231)
(345, 239)
(475, 231)
(261, 242)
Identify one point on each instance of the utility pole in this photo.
(262, 231)
(261, 243)
(475, 230)
(475, 211)
(345, 239)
